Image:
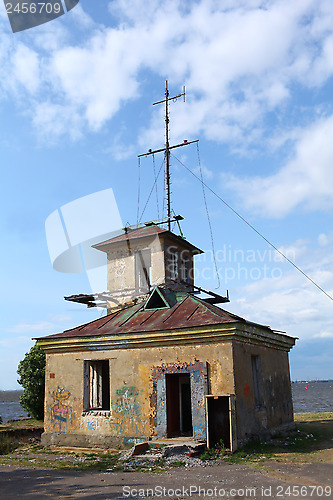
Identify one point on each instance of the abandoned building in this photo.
(164, 361)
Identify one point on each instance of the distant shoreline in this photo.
(10, 396)
(310, 381)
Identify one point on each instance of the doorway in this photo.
(218, 420)
(178, 405)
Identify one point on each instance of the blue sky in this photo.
(76, 109)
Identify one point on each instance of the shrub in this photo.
(32, 378)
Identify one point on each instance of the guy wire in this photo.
(138, 208)
(157, 204)
(152, 189)
(256, 231)
(208, 218)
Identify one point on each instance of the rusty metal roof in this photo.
(145, 232)
(187, 312)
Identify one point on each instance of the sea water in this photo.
(312, 396)
(307, 397)
(10, 407)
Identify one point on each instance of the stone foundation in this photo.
(73, 440)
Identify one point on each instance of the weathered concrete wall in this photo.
(121, 273)
(134, 375)
(276, 410)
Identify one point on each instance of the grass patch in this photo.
(100, 462)
(305, 417)
(27, 423)
(7, 444)
(177, 463)
(314, 433)
(218, 451)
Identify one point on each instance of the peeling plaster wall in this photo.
(121, 265)
(276, 410)
(134, 375)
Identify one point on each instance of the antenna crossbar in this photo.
(150, 152)
(172, 98)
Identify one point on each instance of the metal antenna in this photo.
(167, 154)
(167, 147)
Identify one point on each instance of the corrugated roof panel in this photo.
(189, 312)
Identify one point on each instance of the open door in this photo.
(221, 425)
(178, 405)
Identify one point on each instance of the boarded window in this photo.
(257, 380)
(174, 265)
(143, 271)
(97, 385)
(185, 270)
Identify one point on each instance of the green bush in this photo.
(32, 378)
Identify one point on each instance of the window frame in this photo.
(174, 265)
(257, 381)
(143, 269)
(96, 390)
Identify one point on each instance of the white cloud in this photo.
(53, 120)
(55, 323)
(292, 252)
(82, 19)
(240, 60)
(14, 341)
(325, 335)
(206, 172)
(306, 180)
(26, 68)
(40, 327)
(291, 303)
(323, 239)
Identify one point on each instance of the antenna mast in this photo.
(167, 147)
(167, 155)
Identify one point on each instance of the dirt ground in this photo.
(299, 465)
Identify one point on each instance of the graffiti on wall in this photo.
(127, 416)
(61, 414)
(93, 424)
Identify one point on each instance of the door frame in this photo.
(232, 419)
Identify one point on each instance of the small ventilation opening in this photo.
(156, 301)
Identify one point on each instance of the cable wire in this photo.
(138, 208)
(152, 189)
(256, 231)
(157, 204)
(208, 218)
